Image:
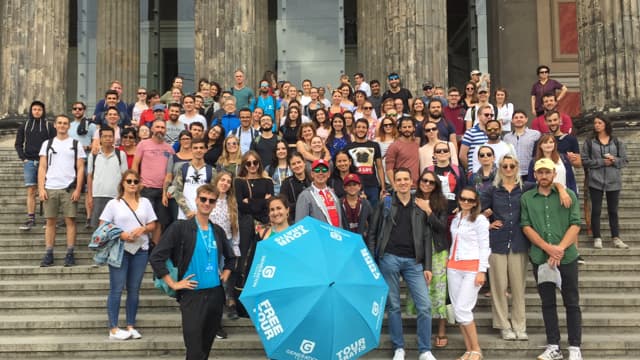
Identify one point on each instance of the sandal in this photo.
(441, 341)
(475, 355)
(465, 356)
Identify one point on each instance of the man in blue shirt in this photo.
(268, 103)
(196, 247)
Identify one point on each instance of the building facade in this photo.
(60, 51)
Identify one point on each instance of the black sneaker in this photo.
(28, 225)
(232, 313)
(87, 225)
(221, 334)
(581, 261)
(69, 260)
(47, 260)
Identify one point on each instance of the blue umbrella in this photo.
(315, 292)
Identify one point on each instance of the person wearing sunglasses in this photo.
(483, 177)
(474, 137)
(467, 266)
(319, 201)
(253, 189)
(134, 215)
(542, 86)
(205, 261)
(493, 129)
(395, 91)
(426, 152)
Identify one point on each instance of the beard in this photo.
(435, 114)
(493, 136)
(265, 128)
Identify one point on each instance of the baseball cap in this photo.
(483, 89)
(158, 107)
(476, 72)
(544, 163)
(351, 178)
(318, 163)
(427, 85)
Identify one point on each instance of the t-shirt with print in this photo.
(154, 158)
(61, 171)
(173, 131)
(192, 181)
(364, 156)
(189, 120)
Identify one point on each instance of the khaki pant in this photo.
(60, 200)
(508, 271)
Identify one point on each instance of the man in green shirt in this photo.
(553, 231)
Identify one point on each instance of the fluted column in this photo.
(371, 32)
(225, 39)
(405, 36)
(34, 37)
(262, 42)
(609, 44)
(118, 46)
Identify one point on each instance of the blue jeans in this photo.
(373, 194)
(30, 170)
(130, 274)
(392, 267)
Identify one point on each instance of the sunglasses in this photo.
(508, 166)
(264, 85)
(441, 151)
(483, 155)
(488, 115)
(394, 77)
(493, 130)
(77, 109)
(433, 129)
(367, 108)
(142, 93)
(204, 200)
(467, 200)
(252, 163)
(321, 169)
(132, 181)
(469, 88)
(543, 72)
(387, 125)
(428, 181)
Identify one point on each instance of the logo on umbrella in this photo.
(375, 309)
(370, 263)
(335, 236)
(269, 272)
(307, 346)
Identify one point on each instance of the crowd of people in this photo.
(469, 191)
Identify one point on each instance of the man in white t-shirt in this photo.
(493, 128)
(190, 112)
(361, 84)
(60, 180)
(188, 179)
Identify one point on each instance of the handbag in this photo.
(132, 247)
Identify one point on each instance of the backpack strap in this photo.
(183, 170)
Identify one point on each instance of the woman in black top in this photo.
(214, 144)
(293, 185)
(289, 129)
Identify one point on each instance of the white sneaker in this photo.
(508, 334)
(574, 353)
(522, 335)
(597, 243)
(427, 355)
(551, 353)
(398, 354)
(619, 243)
(135, 334)
(119, 335)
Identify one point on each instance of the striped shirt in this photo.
(473, 138)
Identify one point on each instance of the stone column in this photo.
(118, 46)
(262, 42)
(34, 55)
(226, 39)
(371, 33)
(609, 44)
(406, 36)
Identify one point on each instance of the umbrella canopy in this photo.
(315, 292)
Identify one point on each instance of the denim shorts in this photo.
(30, 169)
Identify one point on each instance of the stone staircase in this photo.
(60, 313)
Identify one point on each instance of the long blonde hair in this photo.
(226, 158)
(232, 204)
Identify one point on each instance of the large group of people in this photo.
(442, 188)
